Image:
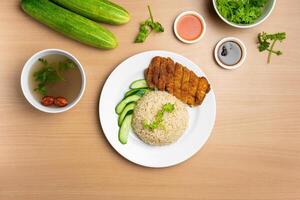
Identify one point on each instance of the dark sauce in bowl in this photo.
(230, 53)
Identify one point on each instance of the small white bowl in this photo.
(26, 75)
(266, 13)
(189, 13)
(243, 49)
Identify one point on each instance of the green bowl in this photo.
(266, 13)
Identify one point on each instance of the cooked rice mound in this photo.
(175, 122)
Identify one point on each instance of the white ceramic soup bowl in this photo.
(25, 78)
(267, 10)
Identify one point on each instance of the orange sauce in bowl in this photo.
(189, 27)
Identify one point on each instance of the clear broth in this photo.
(68, 88)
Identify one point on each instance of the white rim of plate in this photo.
(243, 48)
(119, 150)
(202, 22)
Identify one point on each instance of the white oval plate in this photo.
(201, 118)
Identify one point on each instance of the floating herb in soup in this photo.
(56, 80)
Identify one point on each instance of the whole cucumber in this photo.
(98, 10)
(69, 23)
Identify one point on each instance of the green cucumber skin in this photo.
(128, 108)
(124, 130)
(69, 23)
(141, 83)
(98, 10)
(137, 91)
(120, 107)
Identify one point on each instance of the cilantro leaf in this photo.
(157, 27)
(143, 33)
(146, 27)
(50, 74)
(168, 107)
(158, 120)
(241, 11)
(266, 42)
(68, 64)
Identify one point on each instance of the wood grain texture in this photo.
(253, 153)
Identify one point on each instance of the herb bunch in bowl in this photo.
(241, 11)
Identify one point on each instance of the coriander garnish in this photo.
(146, 27)
(241, 11)
(158, 120)
(50, 74)
(267, 42)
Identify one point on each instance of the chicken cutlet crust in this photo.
(166, 75)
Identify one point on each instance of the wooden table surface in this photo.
(253, 152)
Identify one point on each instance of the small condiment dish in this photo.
(178, 18)
(239, 43)
(27, 72)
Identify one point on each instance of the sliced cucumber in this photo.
(138, 84)
(120, 107)
(127, 110)
(124, 130)
(137, 91)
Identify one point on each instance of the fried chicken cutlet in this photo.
(166, 75)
